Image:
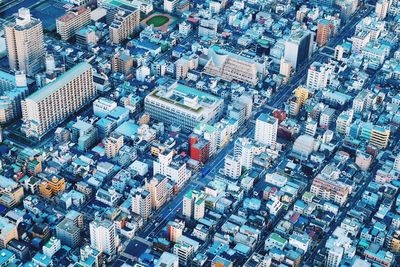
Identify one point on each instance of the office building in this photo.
(125, 23)
(8, 231)
(113, 144)
(50, 105)
(68, 232)
(157, 186)
(13, 88)
(103, 236)
(298, 48)
(175, 230)
(122, 62)
(324, 31)
(194, 205)
(11, 193)
(70, 23)
(266, 130)
(25, 43)
(141, 203)
(180, 105)
(233, 67)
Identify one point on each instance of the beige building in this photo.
(11, 193)
(157, 187)
(8, 231)
(122, 62)
(72, 22)
(232, 67)
(53, 103)
(125, 23)
(113, 144)
(25, 43)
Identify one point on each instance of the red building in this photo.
(199, 148)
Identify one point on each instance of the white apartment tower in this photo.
(334, 258)
(141, 203)
(25, 43)
(50, 105)
(103, 236)
(194, 205)
(266, 130)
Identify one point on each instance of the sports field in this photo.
(157, 20)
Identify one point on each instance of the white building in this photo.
(51, 247)
(334, 257)
(170, 5)
(266, 130)
(194, 205)
(168, 260)
(103, 236)
(318, 76)
(232, 167)
(141, 203)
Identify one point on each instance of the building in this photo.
(113, 144)
(180, 105)
(244, 151)
(25, 43)
(7, 258)
(52, 187)
(396, 165)
(232, 167)
(330, 190)
(70, 23)
(184, 251)
(326, 118)
(334, 257)
(233, 67)
(208, 28)
(68, 232)
(50, 105)
(324, 31)
(122, 62)
(298, 48)
(175, 230)
(125, 23)
(103, 236)
(8, 231)
(167, 260)
(360, 40)
(157, 186)
(11, 193)
(318, 76)
(266, 130)
(141, 203)
(381, 8)
(12, 90)
(199, 148)
(194, 205)
(51, 247)
(170, 5)
(84, 134)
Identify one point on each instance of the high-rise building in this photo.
(8, 231)
(122, 62)
(334, 257)
(232, 167)
(266, 130)
(113, 144)
(381, 8)
(12, 90)
(194, 205)
(175, 230)
(46, 108)
(103, 236)
(298, 48)
(244, 151)
(74, 20)
(324, 31)
(141, 203)
(318, 76)
(125, 22)
(25, 43)
(157, 186)
(177, 104)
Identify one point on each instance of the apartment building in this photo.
(194, 204)
(330, 190)
(8, 231)
(103, 236)
(50, 105)
(125, 22)
(266, 130)
(157, 186)
(141, 203)
(25, 43)
(113, 144)
(70, 23)
(11, 193)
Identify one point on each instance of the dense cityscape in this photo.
(217, 133)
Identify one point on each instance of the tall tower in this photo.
(266, 130)
(103, 236)
(25, 43)
(194, 205)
